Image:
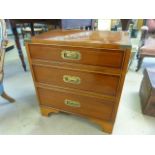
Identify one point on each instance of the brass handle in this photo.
(72, 103)
(71, 79)
(71, 55)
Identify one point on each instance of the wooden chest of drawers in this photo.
(80, 72)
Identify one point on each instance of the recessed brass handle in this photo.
(71, 55)
(72, 103)
(71, 79)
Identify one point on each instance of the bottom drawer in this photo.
(77, 104)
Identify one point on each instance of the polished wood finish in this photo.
(90, 56)
(89, 82)
(101, 68)
(89, 106)
(106, 126)
(45, 111)
(80, 38)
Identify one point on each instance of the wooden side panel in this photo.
(121, 83)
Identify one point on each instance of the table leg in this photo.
(32, 29)
(140, 60)
(125, 24)
(7, 97)
(14, 30)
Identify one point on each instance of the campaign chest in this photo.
(80, 72)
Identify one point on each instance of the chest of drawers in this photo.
(80, 72)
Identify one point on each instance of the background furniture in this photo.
(146, 45)
(125, 24)
(77, 24)
(26, 30)
(14, 22)
(150, 23)
(80, 72)
(147, 92)
(10, 45)
(62, 24)
(122, 24)
(134, 43)
(3, 44)
(140, 23)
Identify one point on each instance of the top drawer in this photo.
(98, 57)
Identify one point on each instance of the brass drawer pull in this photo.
(72, 103)
(71, 79)
(71, 55)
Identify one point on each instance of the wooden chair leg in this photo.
(140, 60)
(7, 97)
(14, 30)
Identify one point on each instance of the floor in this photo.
(23, 116)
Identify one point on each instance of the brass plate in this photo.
(71, 79)
(71, 55)
(72, 103)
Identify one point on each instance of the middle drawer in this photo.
(94, 82)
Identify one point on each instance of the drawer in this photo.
(76, 104)
(94, 82)
(89, 56)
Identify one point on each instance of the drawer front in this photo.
(76, 104)
(100, 57)
(94, 82)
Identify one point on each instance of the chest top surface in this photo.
(84, 38)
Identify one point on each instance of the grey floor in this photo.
(23, 116)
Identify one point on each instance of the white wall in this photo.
(104, 24)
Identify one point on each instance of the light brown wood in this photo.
(102, 68)
(89, 106)
(80, 38)
(45, 111)
(76, 91)
(121, 82)
(77, 67)
(89, 56)
(88, 81)
(105, 125)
